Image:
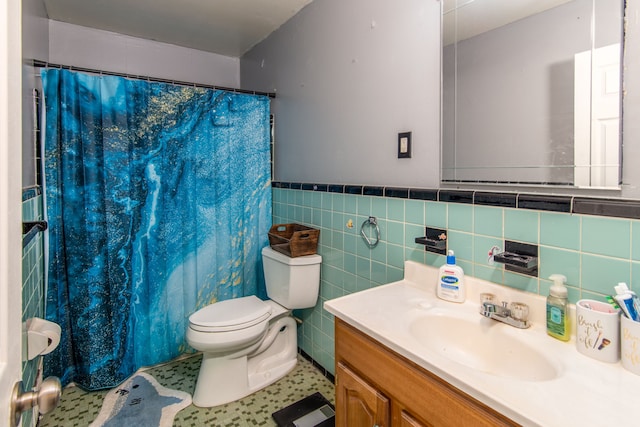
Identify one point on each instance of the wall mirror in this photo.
(531, 92)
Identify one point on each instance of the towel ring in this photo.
(373, 222)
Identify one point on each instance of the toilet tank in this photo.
(291, 282)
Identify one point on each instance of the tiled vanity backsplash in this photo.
(594, 242)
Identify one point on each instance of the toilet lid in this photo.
(231, 314)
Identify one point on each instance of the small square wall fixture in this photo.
(435, 240)
(404, 145)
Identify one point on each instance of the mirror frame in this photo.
(534, 187)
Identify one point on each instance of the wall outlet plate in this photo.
(404, 145)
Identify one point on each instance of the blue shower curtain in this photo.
(159, 202)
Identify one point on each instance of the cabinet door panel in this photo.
(406, 420)
(358, 404)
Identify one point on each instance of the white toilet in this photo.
(248, 343)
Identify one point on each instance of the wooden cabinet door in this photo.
(358, 404)
(407, 420)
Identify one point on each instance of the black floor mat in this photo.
(286, 416)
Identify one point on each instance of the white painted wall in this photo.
(35, 45)
(103, 50)
(350, 75)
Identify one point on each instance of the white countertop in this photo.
(586, 392)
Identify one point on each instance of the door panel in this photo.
(357, 403)
(10, 203)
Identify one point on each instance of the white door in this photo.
(10, 203)
(597, 117)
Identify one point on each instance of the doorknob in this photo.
(46, 398)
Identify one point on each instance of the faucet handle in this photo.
(519, 311)
(487, 297)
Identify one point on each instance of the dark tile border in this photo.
(545, 203)
(421, 194)
(607, 207)
(373, 191)
(618, 208)
(455, 196)
(504, 200)
(336, 188)
(353, 189)
(318, 366)
(398, 193)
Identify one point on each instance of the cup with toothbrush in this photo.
(598, 330)
(629, 328)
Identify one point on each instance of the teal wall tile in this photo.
(395, 233)
(634, 284)
(521, 225)
(600, 274)
(395, 209)
(351, 204)
(411, 232)
(379, 253)
(487, 221)
(568, 244)
(364, 206)
(414, 212)
(379, 207)
(490, 273)
(338, 202)
(467, 266)
(560, 230)
(481, 247)
(521, 281)
(33, 272)
(559, 261)
(462, 244)
(417, 254)
(436, 214)
(606, 236)
(394, 274)
(635, 240)
(378, 273)
(327, 201)
(460, 217)
(363, 267)
(395, 256)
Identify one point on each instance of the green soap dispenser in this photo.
(557, 309)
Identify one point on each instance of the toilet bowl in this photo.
(248, 343)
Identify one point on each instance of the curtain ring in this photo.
(373, 222)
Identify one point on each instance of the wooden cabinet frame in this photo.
(373, 382)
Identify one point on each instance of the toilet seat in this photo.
(231, 315)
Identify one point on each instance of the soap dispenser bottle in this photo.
(451, 281)
(557, 307)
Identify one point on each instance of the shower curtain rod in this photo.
(43, 64)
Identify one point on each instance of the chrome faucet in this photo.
(516, 315)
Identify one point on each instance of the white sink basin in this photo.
(482, 344)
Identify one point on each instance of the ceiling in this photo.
(226, 27)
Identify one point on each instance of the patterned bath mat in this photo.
(140, 401)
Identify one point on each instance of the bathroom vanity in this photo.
(403, 357)
(377, 386)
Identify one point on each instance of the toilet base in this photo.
(222, 379)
